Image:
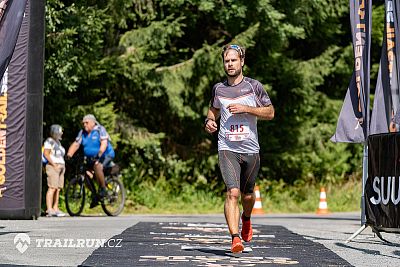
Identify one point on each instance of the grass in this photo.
(160, 198)
(295, 199)
(277, 197)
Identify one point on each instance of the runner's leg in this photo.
(250, 168)
(231, 210)
(230, 170)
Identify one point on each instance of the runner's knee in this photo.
(248, 197)
(233, 193)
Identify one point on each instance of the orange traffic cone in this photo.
(257, 208)
(323, 205)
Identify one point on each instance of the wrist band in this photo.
(207, 119)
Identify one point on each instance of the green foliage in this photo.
(74, 48)
(277, 197)
(147, 164)
(158, 198)
(146, 68)
(280, 197)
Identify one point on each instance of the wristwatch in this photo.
(206, 120)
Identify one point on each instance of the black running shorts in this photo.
(239, 170)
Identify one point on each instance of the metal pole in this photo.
(364, 181)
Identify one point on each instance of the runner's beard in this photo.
(235, 74)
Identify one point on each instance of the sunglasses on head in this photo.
(234, 47)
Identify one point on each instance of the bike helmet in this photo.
(56, 131)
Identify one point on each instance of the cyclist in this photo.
(97, 148)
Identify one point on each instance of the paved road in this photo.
(314, 239)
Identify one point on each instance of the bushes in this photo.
(161, 197)
(146, 71)
(280, 197)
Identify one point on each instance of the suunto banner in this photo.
(382, 188)
(386, 101)
(21, 113)
(352, 122)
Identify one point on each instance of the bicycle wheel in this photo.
(114, 202)
(75, 196)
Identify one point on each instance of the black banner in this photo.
(386, 100)
(12, 13)
(353, 118)
(21, 115)
(382, 188)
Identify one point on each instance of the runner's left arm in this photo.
(267, 112)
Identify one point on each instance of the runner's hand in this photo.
(211, 126)
(237, 108)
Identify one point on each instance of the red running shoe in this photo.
(247, 230)
(237, 245)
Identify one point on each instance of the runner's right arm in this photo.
(210, 123)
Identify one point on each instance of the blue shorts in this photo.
(106, 161)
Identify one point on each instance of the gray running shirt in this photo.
(238, 132)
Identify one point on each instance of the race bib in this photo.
(238, 131)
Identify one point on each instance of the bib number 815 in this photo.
(237, 128)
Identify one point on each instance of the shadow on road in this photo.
(217, 251)
(370, 251)
(13, 232)
(316, 218)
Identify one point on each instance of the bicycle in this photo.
(83, 177)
